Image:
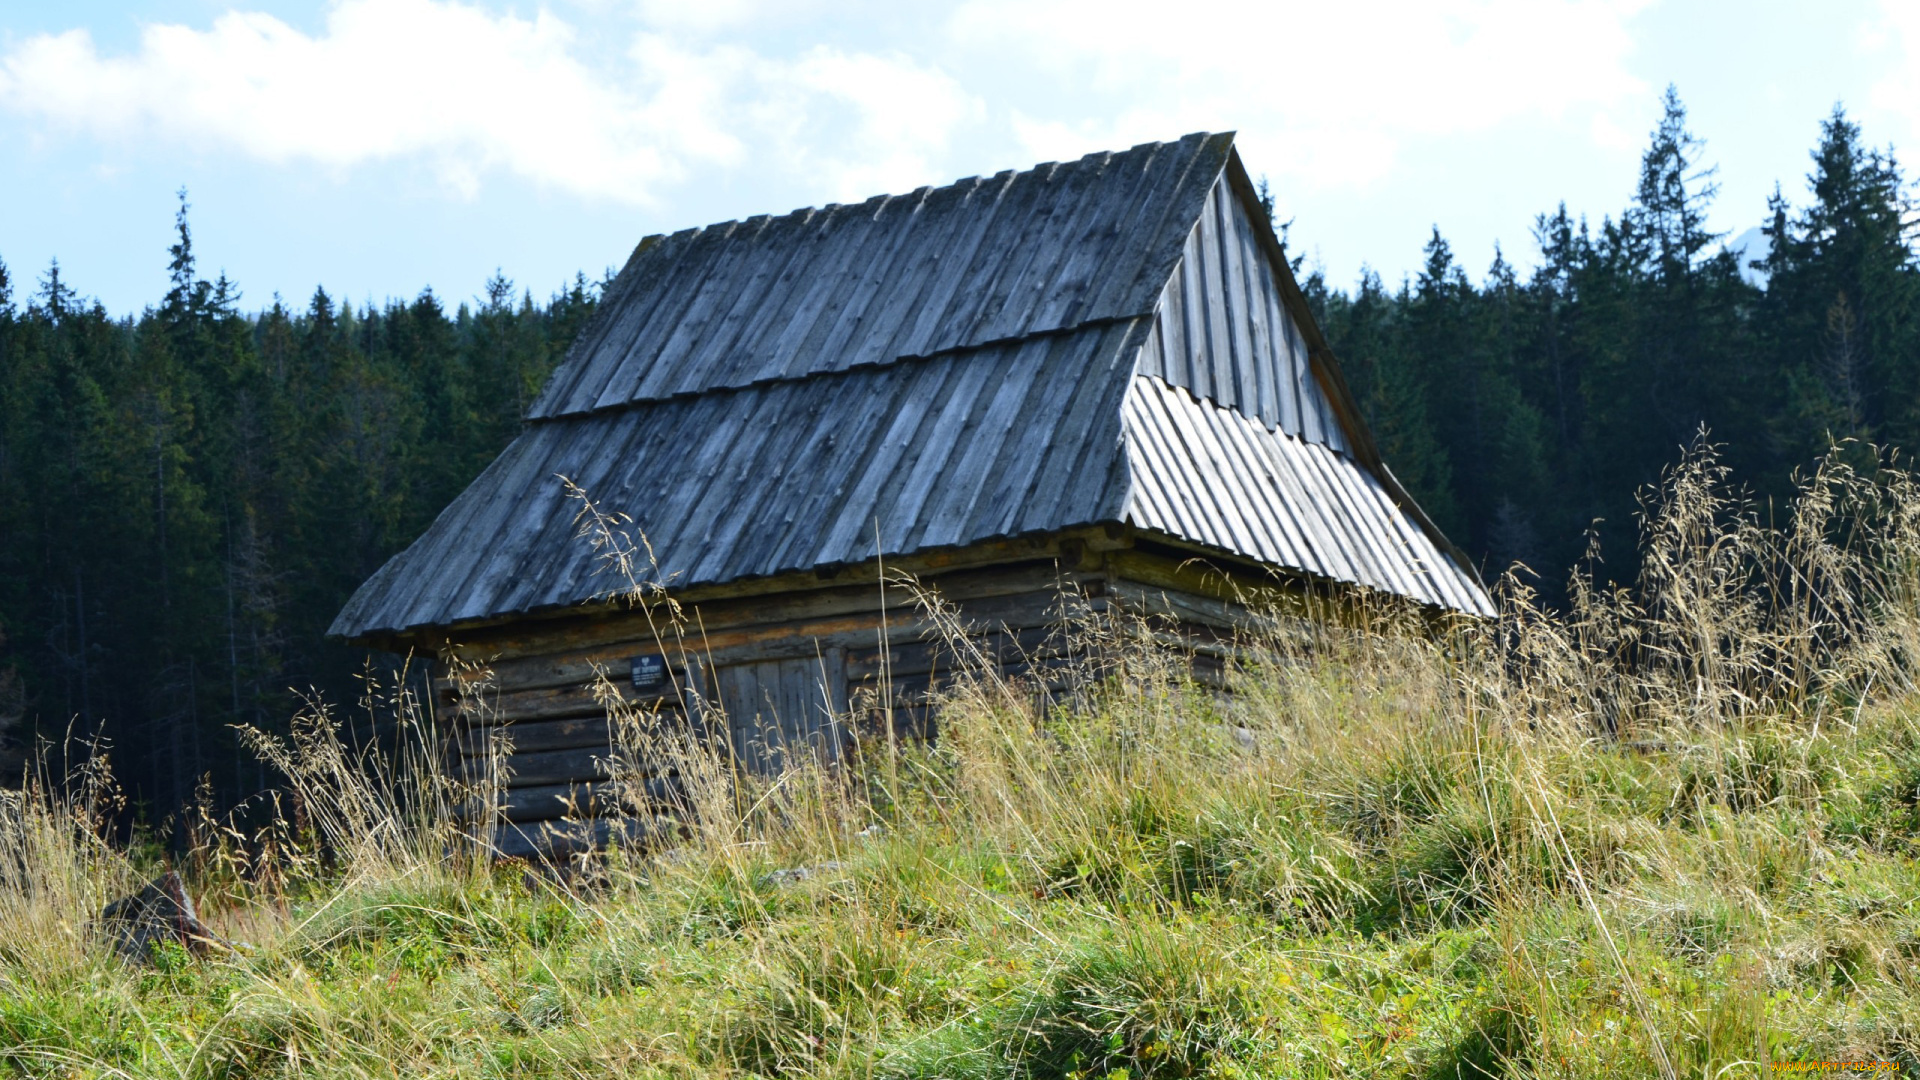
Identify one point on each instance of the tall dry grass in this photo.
(1669, 831)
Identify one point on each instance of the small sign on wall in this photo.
(650, 674)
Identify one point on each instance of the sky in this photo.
(379, 147)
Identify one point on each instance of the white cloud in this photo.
(1897, 32)
(472, 92)
(470, 89)
(706, 16)
(1325, 93)
(905, 117)
(639, 100)
(703, 16)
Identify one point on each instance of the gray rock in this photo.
(1242, 738)
(798, 874)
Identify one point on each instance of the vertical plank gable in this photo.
(1224, 331)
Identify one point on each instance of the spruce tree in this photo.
(1841, 316)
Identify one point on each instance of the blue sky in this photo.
(380, 146)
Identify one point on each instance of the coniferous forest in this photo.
(188, 494)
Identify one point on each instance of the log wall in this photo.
(801, 665)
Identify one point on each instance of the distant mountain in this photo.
(1750, 247)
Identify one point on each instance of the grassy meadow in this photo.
(1669, 832)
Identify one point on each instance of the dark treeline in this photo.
(188, 496)
(1522, 409)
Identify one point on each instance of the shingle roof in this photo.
(987, 359)
(978, 261)
(1215, 476)
(781, 476)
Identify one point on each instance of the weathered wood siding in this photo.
(776, 676)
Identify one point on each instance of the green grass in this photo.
(1280, 919)
(1432, 861)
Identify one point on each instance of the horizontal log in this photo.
(1027, 600)
(547, 802)
(551, 767)
(556, 703)
(547, 767)
(919, 658)
(906, 658)
(1154, 599)
(610, 635)
(559, 839)
(1205, 575)
(773, 642)
(544, 735)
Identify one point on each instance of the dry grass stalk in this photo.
(1667, 830)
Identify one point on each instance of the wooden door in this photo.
(777, 710)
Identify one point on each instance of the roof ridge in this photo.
(927, 189)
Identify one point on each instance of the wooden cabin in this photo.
(1097, 376)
